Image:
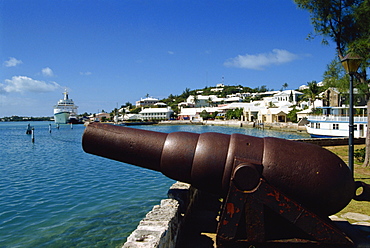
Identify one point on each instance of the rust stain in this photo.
(230, 209)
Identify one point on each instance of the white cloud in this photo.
(11, 62)
(25, 84)
(170, 52)
(85, 73)
(262, 60)
(47, 72)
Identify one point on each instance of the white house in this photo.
(201, 101)
(156, 113)
(194, 113)
(146, 102)
(272, 115)
(128, 117)
(284, 96)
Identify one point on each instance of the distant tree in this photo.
(234, 113)
(261, 89)
(210, 102)
(205, 115)
(292, 115)
(285, 85)
(291, 98)
(186, 93)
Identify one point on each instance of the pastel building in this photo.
(156, 113)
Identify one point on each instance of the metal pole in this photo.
(351, 127)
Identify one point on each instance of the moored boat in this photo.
(334, 122)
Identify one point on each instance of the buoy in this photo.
(49, 128)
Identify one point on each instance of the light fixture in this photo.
(351, 63)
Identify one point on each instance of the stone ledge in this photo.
(160, 226)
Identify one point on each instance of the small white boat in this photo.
(334, 122)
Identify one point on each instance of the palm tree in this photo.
(312, 92)
(196, 100)
(285, 85)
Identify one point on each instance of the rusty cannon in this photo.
(275, 191)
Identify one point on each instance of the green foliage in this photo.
(360, 154)
(292, 115)
(205, 115)
(135, 110)
(316, 111)
(234, 113)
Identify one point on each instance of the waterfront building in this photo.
(291, 96)
(272, 115)
(99, 117)
(194, 113)
(149, 101)
(156, 113)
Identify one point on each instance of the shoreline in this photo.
(282, 126)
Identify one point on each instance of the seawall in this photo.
(282, 126)
(160, 227)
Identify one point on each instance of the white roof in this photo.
(149, 99)
(274, 111)
(287, 92)
(306, 111)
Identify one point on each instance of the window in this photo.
(318, 125)
(335, 126)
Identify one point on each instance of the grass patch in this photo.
(360, 174)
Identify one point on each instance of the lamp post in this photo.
(351, 63)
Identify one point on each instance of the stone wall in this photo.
(161, 225)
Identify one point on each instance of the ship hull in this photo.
(61, 117)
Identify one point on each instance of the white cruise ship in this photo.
(65, 111)
(334, 122)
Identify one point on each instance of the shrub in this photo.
(360, 154)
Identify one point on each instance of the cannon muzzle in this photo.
(311, 175)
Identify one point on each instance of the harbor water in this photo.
(53, 194)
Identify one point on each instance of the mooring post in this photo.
(71, 125)
(49, 128)
(33, 135)
(57, 126)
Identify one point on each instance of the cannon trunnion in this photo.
(275, 191)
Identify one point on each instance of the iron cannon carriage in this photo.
(276, 192)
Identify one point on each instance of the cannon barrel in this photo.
(311, 175)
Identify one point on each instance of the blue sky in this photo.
(110, 52)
